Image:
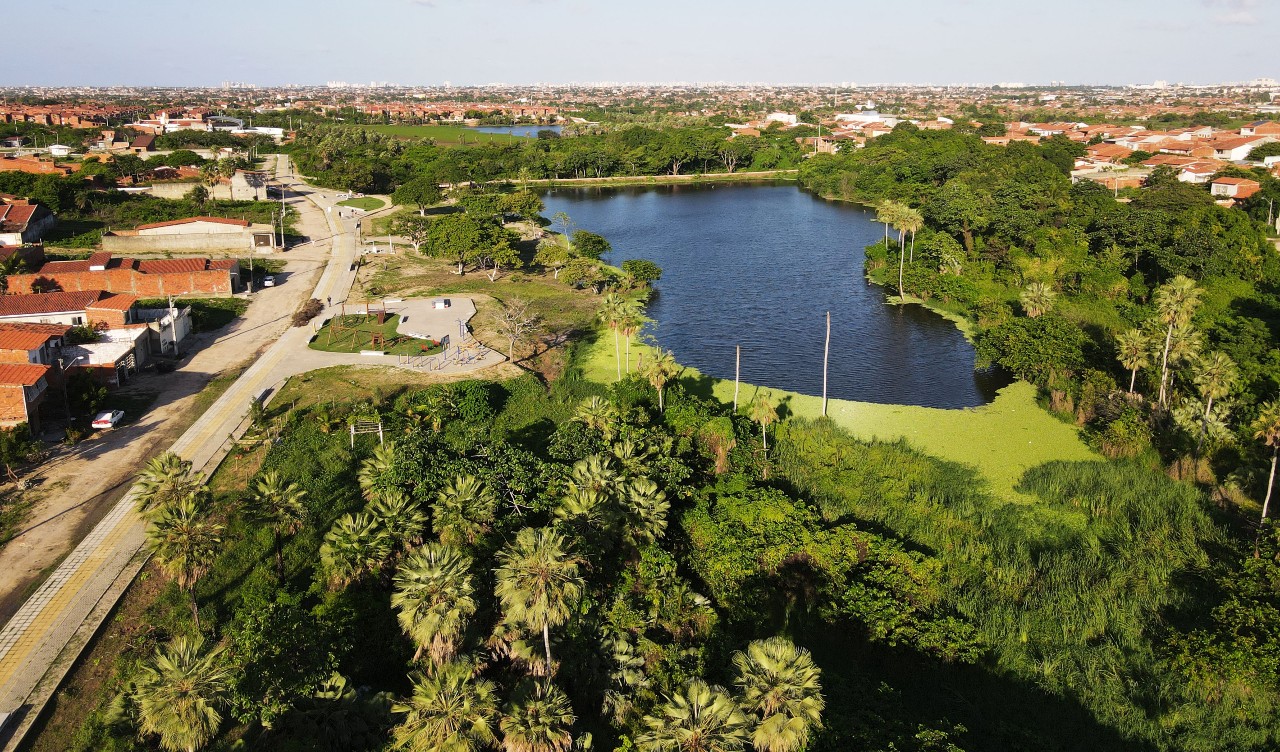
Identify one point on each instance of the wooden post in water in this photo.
(737, 371)
(826, 352)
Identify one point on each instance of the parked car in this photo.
(108, 419)
(268, 281)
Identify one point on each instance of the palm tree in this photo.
(376, 469)
(400, 516)
(1133, 353)
(701, 718)
(1214, 377)
(1266, 428)
(537, 719)
(659, 370)
(905, 219)
(1176, 303)
(184, 544)
(177, 694)
(595, 472)
(354, 547)
(885, 211)
(630, 322)
(538, 582)
(165, 479)
(612, 311)
(764, 411)
(464, 511)
(449, 711)
(632, 455)
(433, 595)
(1037, 299)
(780, 685)
(647, 508)
(600, 414)
(278, 504)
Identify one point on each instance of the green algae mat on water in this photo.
(1002, 440)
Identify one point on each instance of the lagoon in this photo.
(523, 131)
(759, 266)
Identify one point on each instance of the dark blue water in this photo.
(759, 266)
(524, 131)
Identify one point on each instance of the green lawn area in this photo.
(1001, 440)
(444, 135)
(207, 314)
(367, 203)
(357, 334)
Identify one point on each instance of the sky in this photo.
(464, 42)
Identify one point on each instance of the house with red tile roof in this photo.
(32, 165)
(1234, 188)
(150, 278)
(23, 220)
(31, 343)
(23, 388)
(1237, 149)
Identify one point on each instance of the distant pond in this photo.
(524, 131)
(759, 266)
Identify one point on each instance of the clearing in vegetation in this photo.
(354, 333)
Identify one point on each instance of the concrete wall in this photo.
(129, 281)
(240, 241)
(192, 228)
(239, 191)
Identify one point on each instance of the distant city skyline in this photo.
(523, 42)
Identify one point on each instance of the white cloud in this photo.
(1233, 12)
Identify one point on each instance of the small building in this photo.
(1234, 188)
(23, 220)
(39, 344)
(23, 388)
(1237, 149)
(1261, 128)
(32, 165)
(79, 308)
(143, 144)
(59, 150)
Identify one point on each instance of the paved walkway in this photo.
(43, 639)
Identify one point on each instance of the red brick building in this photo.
(22, 388)
(148, 278)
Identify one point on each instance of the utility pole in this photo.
(826, 353)
(737, 372)
(282, 210)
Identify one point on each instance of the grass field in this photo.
(358, 333)
(444, 135)
(366, 203)
(1001, 440)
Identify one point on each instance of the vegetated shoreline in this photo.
(1001, 439)
(621, 181)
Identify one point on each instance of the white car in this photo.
(108, 419)
(268, 281)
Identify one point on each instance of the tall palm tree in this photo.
(177, 694)
(538, 582)
(632, 320)
(165, 479)
(354, 547)
(463, 510)
(612, 311)
(905, 219)
(1037, 299)
(1176, 303)
(376, 469)
(660, 370)
(1133, 353)
(433, 593)
(279, 504)
(1266, 428)
(781, 686)
(184, 544)
(647, 508)
(700, 718)
(600, 414)
(765, 412)
(885, 211)
(401, 516)
(449, 711)
(537, 719)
